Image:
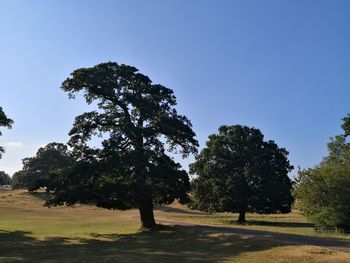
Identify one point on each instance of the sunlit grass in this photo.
(291, 223)
(21, 211)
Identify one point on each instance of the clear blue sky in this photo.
(280, 66)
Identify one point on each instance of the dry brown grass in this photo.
(295, 254)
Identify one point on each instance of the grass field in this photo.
(30, 232)
(292, 223)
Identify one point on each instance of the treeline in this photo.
(248, 174)
(137, 125)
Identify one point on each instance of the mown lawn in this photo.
(30, 232)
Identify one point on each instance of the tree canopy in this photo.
(4, 122)
(137, 123)
(5, 179)
(238, 171)
(19, 180)
(322, 192)
(346, 125)
(42, 170)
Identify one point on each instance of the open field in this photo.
(292, 223)
(30, 232)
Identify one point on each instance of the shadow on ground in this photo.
(168, 244)
(276, 224)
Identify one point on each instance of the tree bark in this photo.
(146, 214)
(241, 217)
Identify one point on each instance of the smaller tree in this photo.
(19, 180)
(5, 122)
(42, 169)
(346, 125)
(323, 192)
(5, 179)
(238, 171)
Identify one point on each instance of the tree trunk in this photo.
(241, 217)
(146, 214)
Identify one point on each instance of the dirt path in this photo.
(332, 243)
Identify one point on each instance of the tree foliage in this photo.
(5, 179)
(346, 125)
(4, 122)
(19, 180)
(238, 171)
(42, 170)
(137, 122)
(323, 191)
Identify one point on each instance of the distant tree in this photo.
(138, 122)
(323, 191)
(41, 170)
(4, 122)
(346, 125)
(238, 171)
(5, 179)
(19, 180)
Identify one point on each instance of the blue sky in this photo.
(280, 66)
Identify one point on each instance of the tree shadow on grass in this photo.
(275, 224)
(168, 244)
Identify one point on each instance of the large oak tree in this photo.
(238, 171)
(138, 124)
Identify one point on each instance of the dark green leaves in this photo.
(42, 169)
(238, 171)
(5, 179)
(129, 104)
(322, 193)
(137, 122)
(5, 122)
(346, 125)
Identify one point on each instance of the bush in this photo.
(323, 195)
